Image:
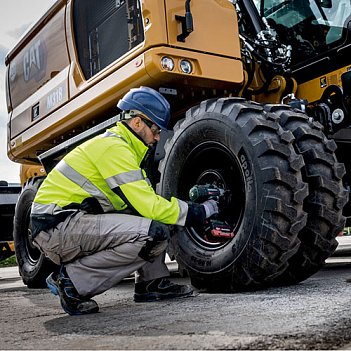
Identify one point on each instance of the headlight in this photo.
(167, 63)
(186, 66)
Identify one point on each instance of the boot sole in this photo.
(52, 285)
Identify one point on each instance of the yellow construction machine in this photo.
(260, 95)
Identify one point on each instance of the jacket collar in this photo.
(136, 143)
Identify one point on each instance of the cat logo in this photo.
(34, 61)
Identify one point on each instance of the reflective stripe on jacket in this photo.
(104, 173)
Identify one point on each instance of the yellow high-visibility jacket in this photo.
(104, 173)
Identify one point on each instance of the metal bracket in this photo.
(181, 37)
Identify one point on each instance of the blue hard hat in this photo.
(148, 101)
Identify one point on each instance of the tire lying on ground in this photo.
(242, 148)
(326, 197)
(32, 264)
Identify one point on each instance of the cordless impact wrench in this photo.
(215, 228)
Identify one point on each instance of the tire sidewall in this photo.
(32, 271)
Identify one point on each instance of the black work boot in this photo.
(160, 289)
(71, 302)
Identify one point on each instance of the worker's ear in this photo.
(136, 123)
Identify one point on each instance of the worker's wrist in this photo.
(196, 214)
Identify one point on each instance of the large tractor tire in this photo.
(32, 264)
(326, 197)
(241, 148)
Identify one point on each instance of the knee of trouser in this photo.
(159, 231)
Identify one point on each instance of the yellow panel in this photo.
(41, 59)
(208, 70)
(215, 26)
(313, 89)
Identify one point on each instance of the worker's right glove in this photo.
(211, 207)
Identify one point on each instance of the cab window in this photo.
(312, 27)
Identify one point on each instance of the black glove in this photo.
(159, 234)
(152, 249)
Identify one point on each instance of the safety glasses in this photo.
(153, 127)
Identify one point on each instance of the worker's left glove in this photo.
(211, 207)
(152, 249)
(159, 234)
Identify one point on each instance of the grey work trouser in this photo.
(98, 251)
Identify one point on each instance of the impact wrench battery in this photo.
(219, 229)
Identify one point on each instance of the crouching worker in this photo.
(97, 216)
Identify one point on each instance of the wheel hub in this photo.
(212, 163)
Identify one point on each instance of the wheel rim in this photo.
(33, 254)
(213, 163)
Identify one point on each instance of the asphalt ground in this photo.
(312, 315)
